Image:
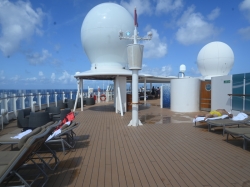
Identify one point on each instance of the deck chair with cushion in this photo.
(12, 162)
(12, 139)
(202, 119)
(229, 122)
(239, 133)
(65, 136)
(8, 139)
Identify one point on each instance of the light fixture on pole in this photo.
(135, 53)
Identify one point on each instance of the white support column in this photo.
(77, 94)
(71, 95)
(145, 90)
(98, 95)
(81, 89)
(107, 96)
(119, 98)
(161, 96)
(135, 121)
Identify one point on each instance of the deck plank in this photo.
(162, 152)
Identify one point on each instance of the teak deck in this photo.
(166, 151)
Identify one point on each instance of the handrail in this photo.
(246, 95)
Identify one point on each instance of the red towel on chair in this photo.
(69, 117)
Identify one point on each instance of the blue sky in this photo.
(40, 44)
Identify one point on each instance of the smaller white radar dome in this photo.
(182, 68)
(215, 59)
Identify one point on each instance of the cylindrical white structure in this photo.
(135, 121)
(185, 95)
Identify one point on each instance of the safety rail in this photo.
(11, 103)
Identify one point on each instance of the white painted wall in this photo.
(185, 95)
(219, 92)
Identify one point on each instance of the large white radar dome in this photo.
(100, 36)
(215, 59)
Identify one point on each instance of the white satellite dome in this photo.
(215, 59)
(100, 36)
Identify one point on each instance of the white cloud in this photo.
(53, 77)
(2, 77)
(154, 48)
(194, 28)
(18, 23)
(15, 78)
(245, 32)
(142, 6)
(66, 78)
(245, 7)
(31, 79)
(57, 47)
(163, 71)
(166, 6)
(37, 58)
(40, 73)
(214, 14)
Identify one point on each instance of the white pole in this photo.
(81, 91)
(135, 97)
(145, 86)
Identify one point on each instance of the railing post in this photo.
(47, 95)
(14, 105)
(6, 100)
(71, 94)
(56, 98)
(32, 102)
(23, 100)
(40, 101)
(63, 97)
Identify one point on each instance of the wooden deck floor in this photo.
(166, 151)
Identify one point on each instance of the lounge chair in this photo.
(62, 115)
(65, 137)
(70, 103)
(61, 104)
(23, 118)
(53, 110)
(243, 132)
(38, 119)
(11, 162)
(8, 138)
(246, 139)
(227, 122)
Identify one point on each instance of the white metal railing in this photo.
(11, 103)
